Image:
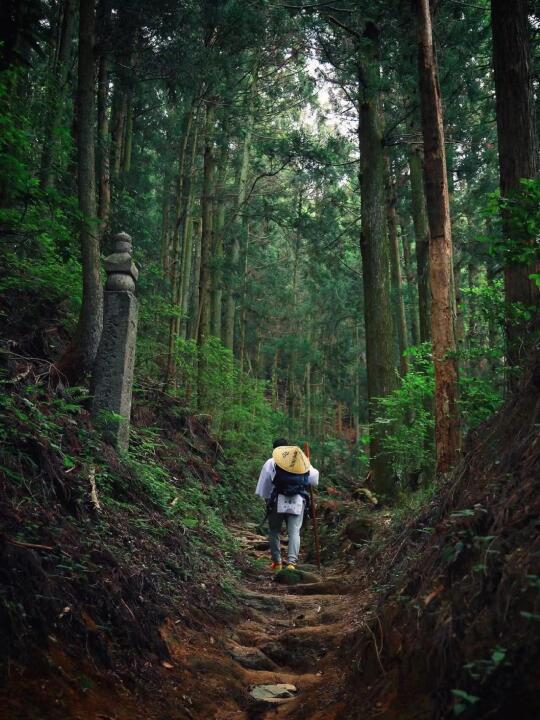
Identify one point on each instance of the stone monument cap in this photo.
(123, 243)
(119, 266)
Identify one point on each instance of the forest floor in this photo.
(264, 665)
(135, 613)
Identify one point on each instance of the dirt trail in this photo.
(286, 636)
(290, 633)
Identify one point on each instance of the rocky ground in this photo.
(265, 665)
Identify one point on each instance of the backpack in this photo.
(288, 484)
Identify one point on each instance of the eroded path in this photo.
(278, 661)
(285, 645)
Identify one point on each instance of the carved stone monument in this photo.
(113, 370)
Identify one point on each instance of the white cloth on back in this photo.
(293, 505)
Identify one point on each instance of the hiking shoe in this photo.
(276, 566)
(291, 566)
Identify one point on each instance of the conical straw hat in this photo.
(291, 459)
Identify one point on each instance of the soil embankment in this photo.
(438, 620)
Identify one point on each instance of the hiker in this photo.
(283, 483)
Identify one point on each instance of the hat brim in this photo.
(291, 459)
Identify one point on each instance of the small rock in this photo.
(253, 659)
(295, 577)
(273, 694)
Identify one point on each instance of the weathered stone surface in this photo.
(120, 263)
(295, 577)
(112, 379)
(273, 694)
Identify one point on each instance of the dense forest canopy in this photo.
(324, 217)
(276, 165)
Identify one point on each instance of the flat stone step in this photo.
(296, 577)
(273, 694)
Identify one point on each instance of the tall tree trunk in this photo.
(518, 159)
(307, 414)
(165, 240)
(103, 139)
(194, 303)
(122, 95)
(127, 144)
(174, 267)
(243, 300)
(118, 121)
(412, 288)
(56, 95)
(375, 265)
(474, 331)
(447, 437)
(187, 243)
(207, 216)
(80, 357)
(275, 381)
(395, 265)
(103, 167)
(238, 223)
(421, 234)
(219, 226)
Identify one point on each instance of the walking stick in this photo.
(314, 516)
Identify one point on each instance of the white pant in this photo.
(294, 523)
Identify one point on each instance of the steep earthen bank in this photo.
(454, 629)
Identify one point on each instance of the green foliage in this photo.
(39, 227)
(479, 398)
(16, 174)
(408, 412)
(482, 669)
(520, 213)
(464, 701)
(239, 414)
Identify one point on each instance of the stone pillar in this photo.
(113, 370)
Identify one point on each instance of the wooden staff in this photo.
(314, 516)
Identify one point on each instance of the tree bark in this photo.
(395, 265)
(421, 234)
(165, 241)
(207, 216)
(174, 265)
(219, 225)
(57, 94)
(127, 144)
(81, 355)
(518, 159)
(375, 250)
(243, 300)
(238, 228)
(412, 288)
(122, 94)
(187, 243)
(119, 114)
(194, 317)
(103, 138)
(447, 436)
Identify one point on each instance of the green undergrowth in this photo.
(110, 536)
